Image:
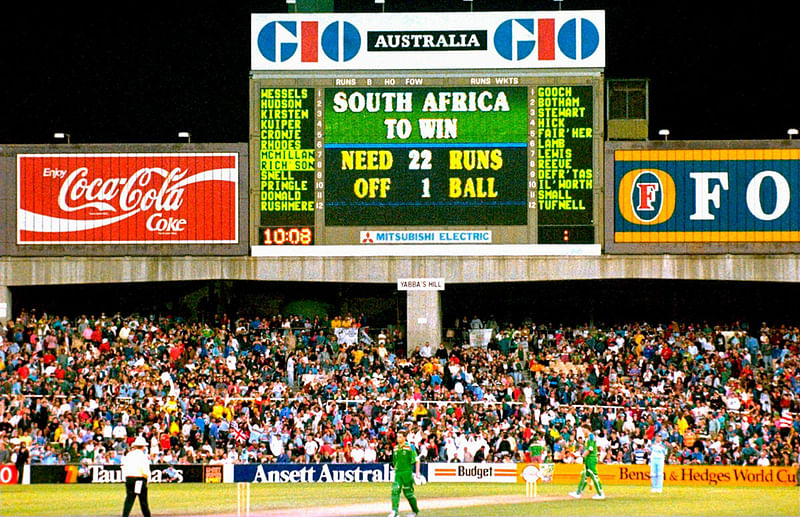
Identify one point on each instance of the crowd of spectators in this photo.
(289, 389)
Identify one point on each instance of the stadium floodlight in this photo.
(187, 135)
(62, 136)
(664, 133)
(792, 132)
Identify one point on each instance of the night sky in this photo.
(141, 72)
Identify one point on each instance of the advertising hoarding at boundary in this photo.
(8, 474)
(102, 474)
(684, 475)
(472, 472)
(315, 473)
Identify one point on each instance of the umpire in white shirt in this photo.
(136, 471)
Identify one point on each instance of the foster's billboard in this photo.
(712, 199)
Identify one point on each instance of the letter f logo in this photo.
(647, 195)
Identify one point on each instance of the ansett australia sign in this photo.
(353, 41)
(706, 196)
(314, 473)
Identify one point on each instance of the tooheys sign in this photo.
(127, 198)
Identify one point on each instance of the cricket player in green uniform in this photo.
(590, 469)
(538, 450)
(406, 473)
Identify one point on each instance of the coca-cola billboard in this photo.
(120, 198)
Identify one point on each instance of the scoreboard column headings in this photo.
(286, 165)
(564, 164)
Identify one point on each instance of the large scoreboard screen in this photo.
(509, 152)
(468, 153)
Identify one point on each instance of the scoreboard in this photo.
(435, 127)
(507, 152)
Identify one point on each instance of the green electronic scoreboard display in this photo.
(505, 153)
(433, 156)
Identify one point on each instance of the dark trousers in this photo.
(130, 496)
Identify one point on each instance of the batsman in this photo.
(404, 459)
(590, 469)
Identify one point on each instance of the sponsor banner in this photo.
(472, 472)
(427, 237)
(346, 336)
(110, 474)
(706, 196)
(213, 473)
(420, 284)
(393, 41)
(116, 198)
(480, 337)
(315, 473)
(705, 475)
(8, 475)
(535, 472)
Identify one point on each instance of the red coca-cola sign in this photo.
(127, 198)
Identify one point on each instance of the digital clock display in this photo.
(287, 235)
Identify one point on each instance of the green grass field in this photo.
(273, 499)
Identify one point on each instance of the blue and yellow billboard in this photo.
(726, 196)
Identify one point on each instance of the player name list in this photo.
(564, 161)
(286, 156)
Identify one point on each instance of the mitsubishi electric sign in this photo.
(392, 41)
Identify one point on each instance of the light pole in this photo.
(62, 136)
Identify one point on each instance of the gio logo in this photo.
(646, 196)
(577, 38)
(279, 41)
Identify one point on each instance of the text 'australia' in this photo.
(426, 40)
